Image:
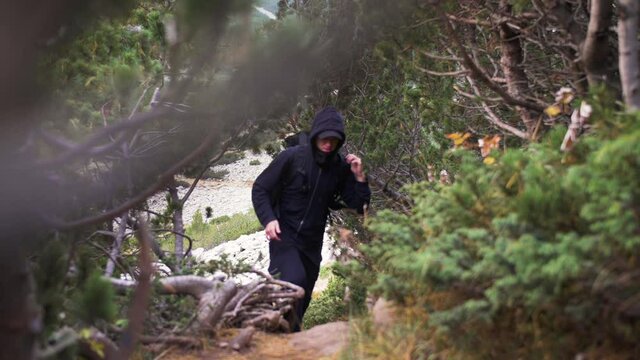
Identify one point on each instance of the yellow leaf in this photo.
(553, 110)
(89, 81)
(489, 160)
(512, 180)
(458, 138)
(85, 333)
(97, 347)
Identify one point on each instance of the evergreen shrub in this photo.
(221, 229)
(535, 256)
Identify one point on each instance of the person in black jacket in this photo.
(293, 195)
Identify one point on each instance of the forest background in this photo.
(500, 137)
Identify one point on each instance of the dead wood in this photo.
(117, 244)
(243, 338)
(263, 303)
(182, 341)
(242, 292)
(212, 305)
(185, 284)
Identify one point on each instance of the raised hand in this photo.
(356, 167)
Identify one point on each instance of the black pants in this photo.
(292, 265)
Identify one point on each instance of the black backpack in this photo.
(300, 161)
(299, 138)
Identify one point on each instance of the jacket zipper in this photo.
(313, 194)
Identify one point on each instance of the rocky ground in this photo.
(227, 196)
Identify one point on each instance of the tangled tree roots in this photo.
(263, 303)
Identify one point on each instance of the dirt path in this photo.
(321, 342)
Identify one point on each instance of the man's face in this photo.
(327, 145)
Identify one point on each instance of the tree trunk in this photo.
(629, 51)
(20, 321)
(117, 244)
(178, 224)
(511, 63)
(563, 15)
(595, 49)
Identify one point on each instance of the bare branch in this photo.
(117, 244)
(479, 73)
(440, 57)
(436, 73)
(185, 284)
(493, 117)
(163, 179)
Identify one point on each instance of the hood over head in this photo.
(327, 122)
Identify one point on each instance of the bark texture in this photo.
(511, 63)
(629, 52)
(595, 49)
(117, 244)
(178, 224)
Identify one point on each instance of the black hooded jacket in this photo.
(308, 183)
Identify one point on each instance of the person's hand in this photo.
(272, 230)
(356, 167)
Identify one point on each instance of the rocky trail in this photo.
(229, 196)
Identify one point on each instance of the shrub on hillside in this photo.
(215, 174)
(534, 256)
(221, 229)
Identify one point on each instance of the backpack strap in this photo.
(297, 163)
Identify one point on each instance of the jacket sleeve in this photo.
(353, 193)
(268, 182)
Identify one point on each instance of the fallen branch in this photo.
(243, 338)
(182, 341)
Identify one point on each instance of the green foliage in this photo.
(538, 249)
(49, 275)
(328, 306)
(96, 300)
(215, 174)
(254, 162)
(99, 76)
(221, 229)
(223, 264)
(167, 313)
(230, 157)
(342, 297)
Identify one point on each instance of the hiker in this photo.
(293, 195)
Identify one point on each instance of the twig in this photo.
(493, 118)
(178, 233)
(438, 73)
(236, 309)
